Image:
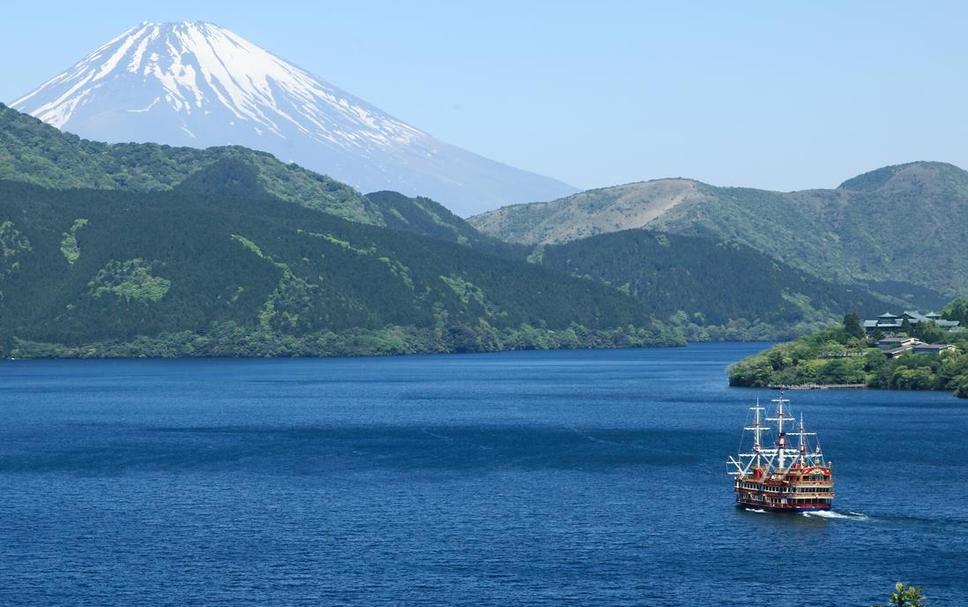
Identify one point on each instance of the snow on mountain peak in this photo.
(198, 84)
(197, 66)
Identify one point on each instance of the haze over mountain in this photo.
(899, 224)
(197, 84)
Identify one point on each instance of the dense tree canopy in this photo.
(707, 288)
(835, 356)
(88, 272)
(852, 325)
(957, 310)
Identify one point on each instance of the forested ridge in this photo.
(709, 289)
(86, 200)
(898, 230)
(185, 272)
(34, 152)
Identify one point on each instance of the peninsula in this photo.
(909, 351)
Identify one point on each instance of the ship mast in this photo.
(803, 445)
(757, 428)
(757, 457)
(781, 436)
(776, 458)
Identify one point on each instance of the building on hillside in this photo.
(885, 323)
(896, 346)
(889, 323)
(892, 343)
(916, 317)
(933, 349)
(893, 347)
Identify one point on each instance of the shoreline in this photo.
(339, 356)
(805, 364)
(793, 387)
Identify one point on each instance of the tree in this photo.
(906, 326)
(905, 595)
(836, 371)
(874, 361)
(957, 310)
(961, 386)
(929, 331)
(852, 326)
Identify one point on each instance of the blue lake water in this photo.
(540, 478)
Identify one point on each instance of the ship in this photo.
(782, 471)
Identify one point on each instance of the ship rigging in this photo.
(776, 475)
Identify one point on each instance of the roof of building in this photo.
(891, 321)
(933, 347)
(895, 340)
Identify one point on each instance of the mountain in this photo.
(142, 249)
(34, 152)
(589, 213)
(427, 217)
(199, 85)
(37, 153)
(710, 289)
(189, 271)
(899, 230)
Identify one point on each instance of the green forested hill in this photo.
(186, 272)
(843, 355)
(894, 229)
(715, 290)
(421, 215)
(710, 289)
(91, 197)
(34, 152)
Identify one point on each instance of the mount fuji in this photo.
(200, 85)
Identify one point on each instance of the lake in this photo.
(540, 478)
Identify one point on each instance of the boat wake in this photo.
(756, 510)
(844, 516)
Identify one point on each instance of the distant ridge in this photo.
(906, 223)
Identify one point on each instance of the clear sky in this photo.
(782, 95)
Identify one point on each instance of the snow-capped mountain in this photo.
(200, 85)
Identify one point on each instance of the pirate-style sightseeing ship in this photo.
(776, 475)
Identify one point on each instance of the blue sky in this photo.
(780, 95)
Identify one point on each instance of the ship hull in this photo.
(789, 509)
(796, 489)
